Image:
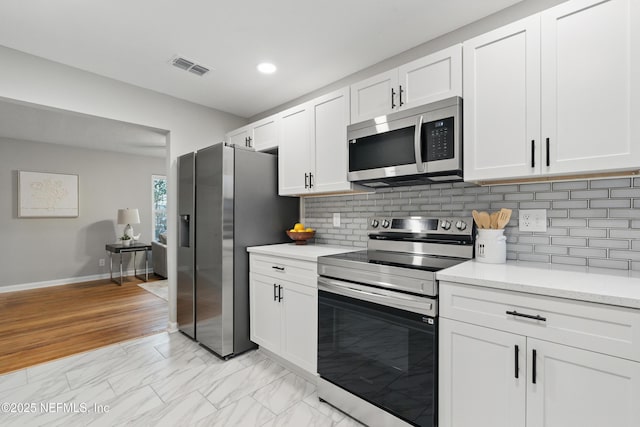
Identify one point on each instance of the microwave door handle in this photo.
(417, 146)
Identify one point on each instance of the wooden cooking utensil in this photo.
(485, 219)
(494, 219)
(504, 217)
(476, 218)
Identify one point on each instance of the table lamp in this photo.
(128, 216)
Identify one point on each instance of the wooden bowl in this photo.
(300, 237)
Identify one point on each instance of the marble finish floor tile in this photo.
(194, 379)
(300, 414)
(164, 369)
(100, 371)
(243, 382)
(126, 407)
(167, 379)
(13, 379)
(184, 411)
(245, 412)
(153, 340)
(284, 392)
(77, 361)
(324, 408)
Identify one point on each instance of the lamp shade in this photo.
(128, 216)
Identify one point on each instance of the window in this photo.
(159, 208)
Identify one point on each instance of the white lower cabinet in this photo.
(476, 376)
(580, 388)
(495, 378)
(283, 312)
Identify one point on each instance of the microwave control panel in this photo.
(437, 138)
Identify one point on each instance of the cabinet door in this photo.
(375, 96)
(477, 376)
(300, 325)
(239, 137)
(294, 153)
(265, 312)
(331, 116)
(590, 93)
(264, 134)
(502, 102)
(432, 78)
(580, 388)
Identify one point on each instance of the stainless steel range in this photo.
(378, 319)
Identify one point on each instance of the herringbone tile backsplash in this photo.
(592, 223)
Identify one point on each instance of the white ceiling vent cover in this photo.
(191, 66)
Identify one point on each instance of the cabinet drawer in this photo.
(302, 272)
(597, 327)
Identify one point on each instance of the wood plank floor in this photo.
(40, 325)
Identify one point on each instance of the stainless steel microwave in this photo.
(416, 146)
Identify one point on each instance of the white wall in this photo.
(31, 79)
(59, 249)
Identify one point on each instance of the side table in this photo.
(119, 248)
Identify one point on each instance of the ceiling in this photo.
(312, 43)
(30, 122)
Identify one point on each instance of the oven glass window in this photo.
(383, 355)
(392, 148)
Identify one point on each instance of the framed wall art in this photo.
(47, 195)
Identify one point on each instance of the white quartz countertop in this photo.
(308, 252)
(547, 279)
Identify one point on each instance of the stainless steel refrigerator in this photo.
(228, 200)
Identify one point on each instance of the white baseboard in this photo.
(60, 282)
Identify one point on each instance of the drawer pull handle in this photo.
(528, 316)
(517, 364)
(275, 267)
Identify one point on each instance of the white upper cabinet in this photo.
(502, 102)
(238, 137)
(264, 134)
(554, 94)
(261, 135)
(312, 158)
(375, 96)
(590, 93)
(432, 78)
(295, 151)
(330, 119)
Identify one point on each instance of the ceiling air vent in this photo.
(199, 70)
(187, 65)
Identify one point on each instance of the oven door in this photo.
(381, 346)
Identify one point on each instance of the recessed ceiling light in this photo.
(267, 68)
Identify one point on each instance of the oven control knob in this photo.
(374, 223)
(445, 225)
(385, 223)
(461, 225)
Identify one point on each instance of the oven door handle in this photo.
(417, 145)
(421, 305)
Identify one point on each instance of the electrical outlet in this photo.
(101, 262)
(532, 220)
(336, 219)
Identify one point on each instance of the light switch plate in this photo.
(336, 219)
(532, 220)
